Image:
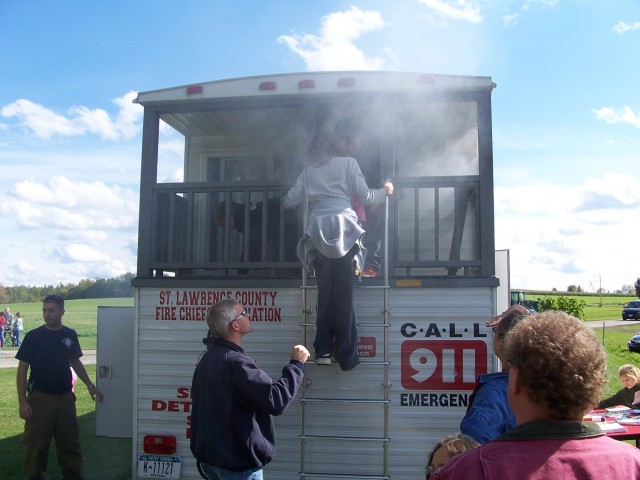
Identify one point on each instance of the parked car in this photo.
(634, 343)
(631, 310)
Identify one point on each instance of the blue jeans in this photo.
(1, 336)
(336, 315)
(218, 473)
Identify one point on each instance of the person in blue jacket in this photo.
(488, 413)
(232, 430)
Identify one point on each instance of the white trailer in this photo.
(221, 233)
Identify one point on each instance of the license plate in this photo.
(159, 466)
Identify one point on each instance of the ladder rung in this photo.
(343, 475)
(343, 400)
(342, 437)
(359, 365)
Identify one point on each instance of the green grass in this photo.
(105, 458)
(615, 343)
(81, 315)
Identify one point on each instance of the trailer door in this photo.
(114, 371)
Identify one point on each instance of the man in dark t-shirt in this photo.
(47, 402)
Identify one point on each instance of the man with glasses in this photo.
(232, 430)
(47, 402)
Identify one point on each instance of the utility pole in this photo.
(600, 289)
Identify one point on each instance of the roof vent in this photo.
(347, 82)
(267, 86)
(306, 84)
(193, 89)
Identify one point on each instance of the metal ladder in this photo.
(308, 400)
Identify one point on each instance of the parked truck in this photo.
(219, 231)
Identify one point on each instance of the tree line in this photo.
(98, 288)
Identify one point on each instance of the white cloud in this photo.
(69, 229)
(612, 116)
(76, 252)
(464, 10)
(545, 3)
(68, 205)
(334, 48)
(509, 20)
(45, 123)
(570, 234)
(171, 159)
(622, 27)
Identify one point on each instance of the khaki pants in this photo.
(54, 416)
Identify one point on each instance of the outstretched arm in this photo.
(78, 367)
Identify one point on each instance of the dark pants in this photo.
(219, 473)
(336, 315)
(53, 416)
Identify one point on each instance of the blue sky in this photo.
(566, 115)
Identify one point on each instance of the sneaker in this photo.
(323, 360)
(348, 369)
(369, 273)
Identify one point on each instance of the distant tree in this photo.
(4, 295)
(626, 289)
(554, 289)
(100, 288)
(579, 289)
(571, 288)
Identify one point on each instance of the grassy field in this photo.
(81, 315)
(105, 458)
(605, 307)
(110, 459)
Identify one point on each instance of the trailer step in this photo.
(344, 438)
(343, 400)
(344, 475)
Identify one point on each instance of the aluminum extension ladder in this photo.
(308, 398)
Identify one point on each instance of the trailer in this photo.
(220, 232)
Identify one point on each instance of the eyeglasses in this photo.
(243, 314)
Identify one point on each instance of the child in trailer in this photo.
(446, 449)
(331, 241)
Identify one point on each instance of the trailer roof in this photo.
(309, 83)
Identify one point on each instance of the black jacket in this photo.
(232, 404)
